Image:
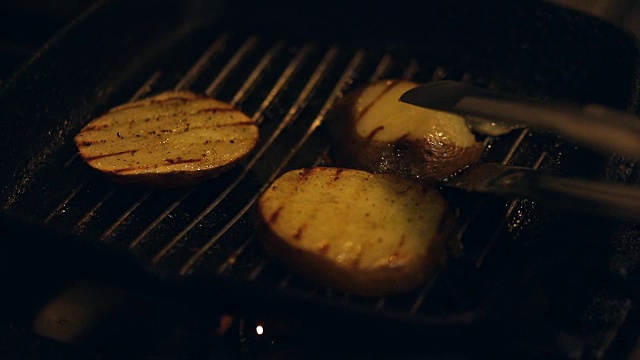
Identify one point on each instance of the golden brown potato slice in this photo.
(363, 233)
(168, 140)
(378, 133)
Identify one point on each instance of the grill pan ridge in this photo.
(287, 85)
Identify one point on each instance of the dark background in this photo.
(26, 25)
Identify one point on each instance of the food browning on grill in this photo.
(169, 140)
(378, 133)
(362, 233)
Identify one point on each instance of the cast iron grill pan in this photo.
(287, 85)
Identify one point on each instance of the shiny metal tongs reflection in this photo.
(566, 194)
(595, 126)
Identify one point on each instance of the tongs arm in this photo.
(599, 127)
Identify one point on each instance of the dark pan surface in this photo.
(200, 240)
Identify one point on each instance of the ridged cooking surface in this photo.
(287, 88)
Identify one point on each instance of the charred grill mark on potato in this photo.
(190, 128)
(366, 109)
(274, 216)
(298, 234)
(92, 158)
(374, 132)
(304, 173)
(177, 161)
(90, 128)
(89, 143)
(215, 110)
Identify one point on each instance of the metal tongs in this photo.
(595, 126)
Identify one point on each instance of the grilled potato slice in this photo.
(378, 133)
(169, 140)
(362, 233)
